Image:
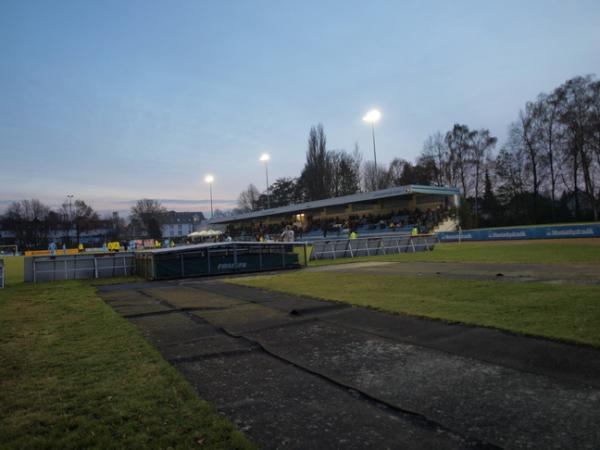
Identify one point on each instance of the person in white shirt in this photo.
(288, 234)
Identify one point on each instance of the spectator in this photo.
(287, 234)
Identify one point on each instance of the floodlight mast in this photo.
(209, 179)
(373, 117)
(265, 157)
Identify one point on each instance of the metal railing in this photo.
(370, 246)
(78, 267)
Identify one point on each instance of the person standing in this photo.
(288, 234)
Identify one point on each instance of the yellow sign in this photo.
(58, 252)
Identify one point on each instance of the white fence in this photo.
(78, 267)
(369, 246)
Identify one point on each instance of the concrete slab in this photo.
(291, 304)
(492, 403)
(182, 297)
(136, 310)
(237, 292)
(571, 363)
(247, 317)
(129, 303)
(318, 377)
(283, 407)
(172, 328)
(127, 296)
(214, 344)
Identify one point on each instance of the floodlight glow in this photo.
(209, 179)
(372, 116)
(265, 157)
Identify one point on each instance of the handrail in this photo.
(372, 245)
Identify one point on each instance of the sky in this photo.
(113, 101)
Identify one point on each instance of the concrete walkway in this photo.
(295, 372)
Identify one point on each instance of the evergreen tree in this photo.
(490, 204)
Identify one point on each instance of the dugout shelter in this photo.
(218, 259)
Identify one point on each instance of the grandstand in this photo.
(397, 209)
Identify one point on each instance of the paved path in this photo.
(295, 372)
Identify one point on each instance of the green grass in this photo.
(542, 251)
(565, 312)
(73, 374)
(13, 269)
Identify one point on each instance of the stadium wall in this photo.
(515, 233)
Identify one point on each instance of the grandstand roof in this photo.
(337, 201)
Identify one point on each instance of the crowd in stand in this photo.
(401, 220)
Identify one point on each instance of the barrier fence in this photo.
(370, 246)
(516, 233)
(219, 258)
(78, 267)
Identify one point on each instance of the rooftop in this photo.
(355, 198)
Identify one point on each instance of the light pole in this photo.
(209, 179)
(70, 197)
(265, 158)
(373, 117)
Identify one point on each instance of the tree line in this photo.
(548, 169)
(35, 224)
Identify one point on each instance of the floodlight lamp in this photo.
(372, 116)
(209, 179)
(265, 157)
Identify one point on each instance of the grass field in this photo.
(566, 312)
(569, 312)
(557, 251)
(13, 267)
(73, 374)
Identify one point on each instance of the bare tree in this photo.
(78, 215)
(576, 116)
(248, 199)
(529, 133)
(435, 149)
(549, 132)
(345, 173)
(396, 171)
(28, 219)
(150, 214)
(594, 123)
(510, 170)
(459, 142)
(374, 177)
(84, 218)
